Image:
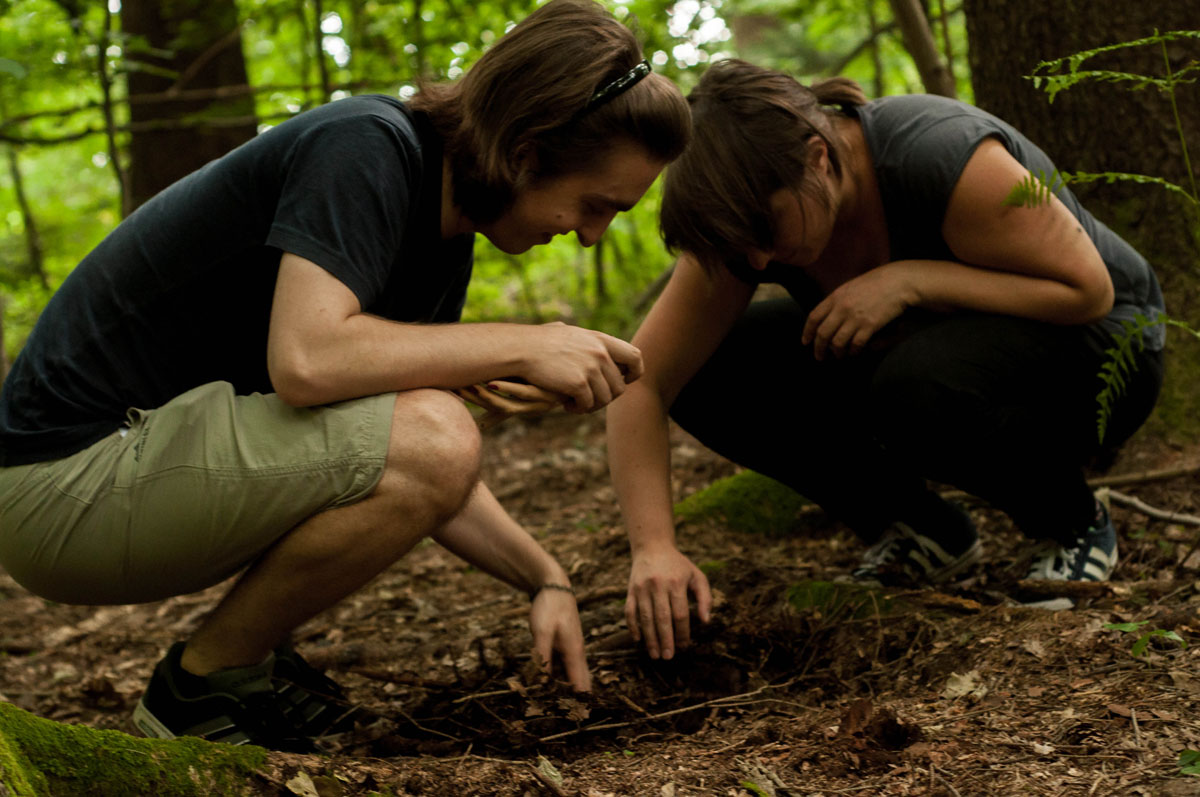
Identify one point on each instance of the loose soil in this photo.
(809, 690)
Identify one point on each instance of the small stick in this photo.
(1110, 481)
(1151, 511)
(717, 701)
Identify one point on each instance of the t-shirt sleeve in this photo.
(345, 200)
(928, 165)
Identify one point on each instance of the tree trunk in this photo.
(918, 40)
(1108, 127)
(4, 363)
(187, 45)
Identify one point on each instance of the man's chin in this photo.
(513, 247)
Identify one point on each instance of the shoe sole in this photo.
(148, 724)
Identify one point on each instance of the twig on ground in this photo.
(1109, 481)
(1151, 511)
(1137, 735)
(1144, 476)
(933, 771)
(1096, 589)
(727, 700)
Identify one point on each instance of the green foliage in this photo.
(1034, 190)
(1120, 366)
(1143, 641)
(51, 112)
(836, 601)
(746, 501)
(1064, 73)
(754, 788)
(1112, 177)
(1189, 762)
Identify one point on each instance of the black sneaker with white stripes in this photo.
(313, 700)
(904, 557)
(1091, 557)
(235, 706)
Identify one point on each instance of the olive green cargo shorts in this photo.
(187, 495)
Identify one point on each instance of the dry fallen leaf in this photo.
(964, 685)
(302, 785)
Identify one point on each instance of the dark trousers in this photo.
(1001, 407)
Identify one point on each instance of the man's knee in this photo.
(434, 447)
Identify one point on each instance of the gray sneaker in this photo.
(1091, 557)
(904, 556)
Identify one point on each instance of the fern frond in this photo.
(1064, 73)
(1035, 189)
(1112, 177)
(1120, 366)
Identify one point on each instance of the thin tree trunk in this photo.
(33, 239)
(319, 52)
(947, 44)
(598, 269)
(4, 364)
(919, 41)
(876, 59)
(110, 125)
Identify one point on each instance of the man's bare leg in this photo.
(432, 466)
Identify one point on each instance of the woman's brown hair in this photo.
(751, 131)
(521, 112)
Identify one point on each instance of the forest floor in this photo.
(947, 693)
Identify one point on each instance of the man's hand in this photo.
(554, 621)
(589, 368)
(504, 398)
(656, 607)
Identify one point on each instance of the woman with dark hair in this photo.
(255, 372)
(933, 331)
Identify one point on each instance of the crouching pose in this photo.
(256, 370)
(934, 331)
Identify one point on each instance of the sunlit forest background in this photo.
(99, 103)
(66, 69)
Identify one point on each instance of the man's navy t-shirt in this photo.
(179, 294)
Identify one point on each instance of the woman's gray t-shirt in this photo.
(920, 144)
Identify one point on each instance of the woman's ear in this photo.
(817, 157)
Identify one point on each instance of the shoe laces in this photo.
(267, 724)
(885, 551)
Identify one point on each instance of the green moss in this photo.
(68, 760)
(746, 501)
(839, 601)
(17, 774)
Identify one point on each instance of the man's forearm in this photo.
(485, 536)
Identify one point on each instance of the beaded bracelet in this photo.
(559, 587)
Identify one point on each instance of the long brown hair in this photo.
(752, 128)
(519, 112)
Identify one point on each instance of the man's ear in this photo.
(525, 163)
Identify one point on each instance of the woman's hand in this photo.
(503, 398)
(656, 607)
(846, 319)
(554, 621)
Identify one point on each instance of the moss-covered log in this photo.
(39, 757)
